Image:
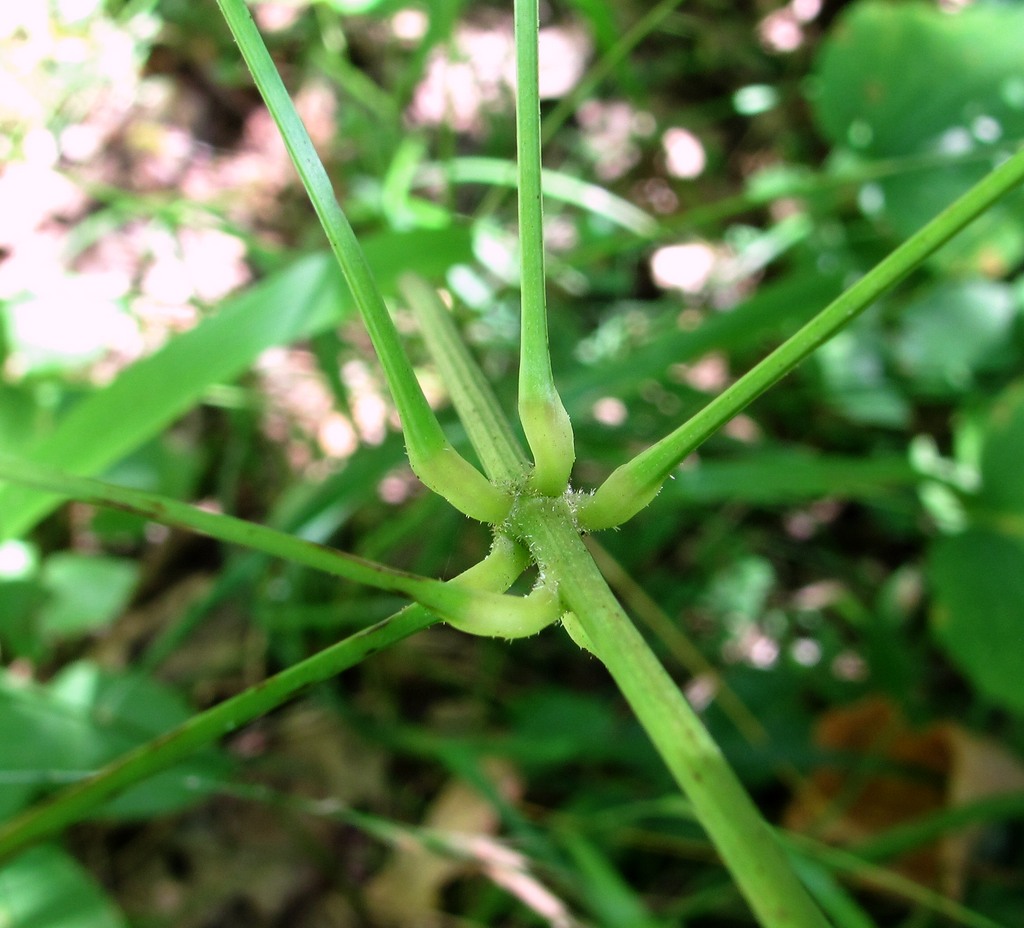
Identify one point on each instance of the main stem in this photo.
(746, 844)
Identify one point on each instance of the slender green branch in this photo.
(433, 459)
(503, 458)
(496, 573)
(749, 848)
(456, 603)
(544, 419)
(76, 802)
(611, 59)
(634, 484)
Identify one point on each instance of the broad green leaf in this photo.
(148, 396)
(953, 332)
(19, 628)
(855, 379)
(20, 596)
(977, 578)
(84, 592)
(19, 415)
(907, 79)
(1002, 458)
(46, 888)
(556, 726)
(902, 78)
(305, 298)
(85, 717)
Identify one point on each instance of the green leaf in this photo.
(978, 611)
(1002, 451)
(780, 476)
(46, 888)
(855, 379)
(85, 717)
(19, 415)
(897, 80)
(954, 332)
(151, 394)
(85, 592)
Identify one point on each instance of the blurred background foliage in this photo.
(837, 579)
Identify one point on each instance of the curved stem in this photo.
(76, 802)
(497, 572)
(432, 458)
(490, 434)
(634, 484)
(454, 602)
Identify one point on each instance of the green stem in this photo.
(481, 415)
(749, 848)
(686, 653)
(544, 419)
(74, 803)
(565, 107)
(432, 458)
(633, 485)
(454, 602)
(495, 573)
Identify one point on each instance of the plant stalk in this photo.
(456, 602)
(634, 484)
(433, 459)
(748, 847)
(486, 425)
(77, 802)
